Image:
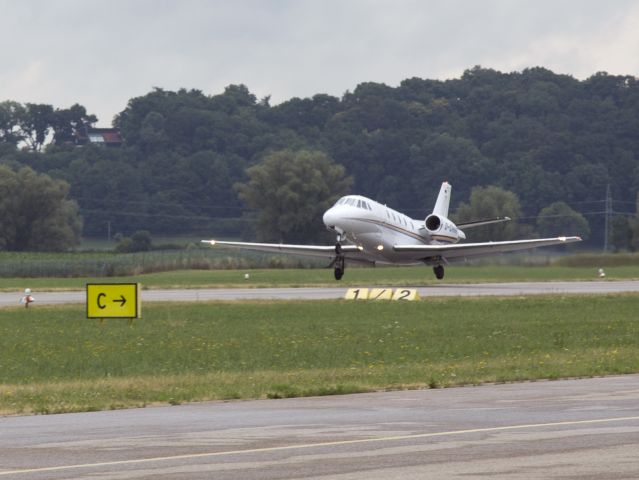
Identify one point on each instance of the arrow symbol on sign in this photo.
(120, 300)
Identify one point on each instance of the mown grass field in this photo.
(388, 276)
(54, 360)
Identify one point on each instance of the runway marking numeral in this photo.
(408, 294)
(402, 294)
(356, 294)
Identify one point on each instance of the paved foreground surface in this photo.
(581, 429)
(441, 290)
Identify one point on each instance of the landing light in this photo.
(380, 247)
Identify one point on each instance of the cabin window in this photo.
(359, 204)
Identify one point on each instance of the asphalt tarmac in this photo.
(562, 429)
(568, 429)
(440, 290)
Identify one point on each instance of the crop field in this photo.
(110, 264)
(52, 359)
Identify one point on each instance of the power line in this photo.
(164, 215)
(163, 204)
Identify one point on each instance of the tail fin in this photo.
(443, 200)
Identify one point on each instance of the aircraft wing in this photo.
(459, 250)
(321, 251)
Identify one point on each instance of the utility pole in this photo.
(608, 217)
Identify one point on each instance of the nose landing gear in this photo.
(439, 271)
(339, 262)
(339, 268)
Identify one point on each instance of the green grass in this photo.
(388, 276)
(54, 360)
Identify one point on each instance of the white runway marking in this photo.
(317, 445)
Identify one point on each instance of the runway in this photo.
(559, 429)
(321, 293)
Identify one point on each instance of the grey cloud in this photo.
(103, 53)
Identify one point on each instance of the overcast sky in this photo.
(102, 53)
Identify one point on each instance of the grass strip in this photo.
(54, 360)
(301, 277)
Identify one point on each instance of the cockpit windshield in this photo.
(354, 202)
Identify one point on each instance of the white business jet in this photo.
(371, 233)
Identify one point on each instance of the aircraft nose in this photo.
(329, 217)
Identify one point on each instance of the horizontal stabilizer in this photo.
(488, 221)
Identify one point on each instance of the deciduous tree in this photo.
(487, 203)
(10, 115)
(560, 219)
(35, 213)
(292, 190)
(35, 125)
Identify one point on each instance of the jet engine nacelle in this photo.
(438, 226)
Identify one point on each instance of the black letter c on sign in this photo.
(100, 306)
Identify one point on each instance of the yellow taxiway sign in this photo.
(113, 300)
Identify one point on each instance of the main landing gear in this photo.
(339, 262)
(439, 271)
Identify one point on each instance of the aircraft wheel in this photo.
(439, 271)
(339, 273)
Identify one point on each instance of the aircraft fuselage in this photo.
(377, 228)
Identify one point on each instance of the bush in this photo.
(140, 241)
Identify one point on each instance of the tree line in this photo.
(189, 158)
